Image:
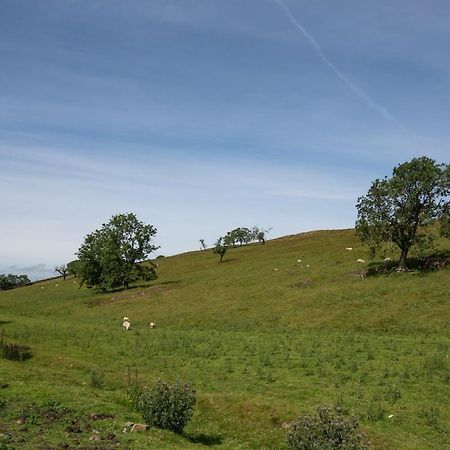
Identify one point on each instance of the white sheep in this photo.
(349, 249)
(387, 259)
(360, 260)
(126, 323)
(152, 325)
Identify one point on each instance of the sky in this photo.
(200, 116)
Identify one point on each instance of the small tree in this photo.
(220, 248)
(259, 234)
(62, 270)
(395, 208)
(112, 256)
(203, 245)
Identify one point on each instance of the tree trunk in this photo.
(221, 257)
(402, 263)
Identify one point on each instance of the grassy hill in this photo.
(262, 337)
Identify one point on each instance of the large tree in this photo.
(394, 209)
(111, 256)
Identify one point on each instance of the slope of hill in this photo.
(262, 337)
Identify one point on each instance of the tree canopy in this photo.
(396, 209)
(11, 281)
(111, 257)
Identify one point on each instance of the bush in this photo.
(14, 352)
(327, 430)
(167, 406)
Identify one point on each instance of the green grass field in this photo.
(262, 338)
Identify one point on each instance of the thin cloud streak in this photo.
(370, 102)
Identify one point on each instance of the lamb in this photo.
(152, 325)
(360, 260)
(126, 323)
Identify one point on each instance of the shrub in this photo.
(14, 352)
(168, 406)
(327, 430)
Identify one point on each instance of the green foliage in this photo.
(220, 248)
(259, 234)
(13, 281)
(14, 351)
(168, 406)
(241, 236)
(244, 236)
(423, 245)
(395, 208)
(328, 430)
(110, 257)
(74, 267)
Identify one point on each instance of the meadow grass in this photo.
(260, 346)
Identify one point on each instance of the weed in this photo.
(375, 412)
(97, 379)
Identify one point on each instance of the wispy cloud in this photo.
(369, 101)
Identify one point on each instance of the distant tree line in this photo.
(13, 281)
(239, 237)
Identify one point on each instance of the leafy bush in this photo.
(327, 430)
(167, 406)
(13, 351)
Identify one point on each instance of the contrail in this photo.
(370, 102)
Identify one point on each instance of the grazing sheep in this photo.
(360, 260)
(299, 260)
(387, 259)
(152, 325)
(349, 249)
(126, 323)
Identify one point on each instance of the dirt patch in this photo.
(101, 416)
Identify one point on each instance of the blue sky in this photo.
(204, 115)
